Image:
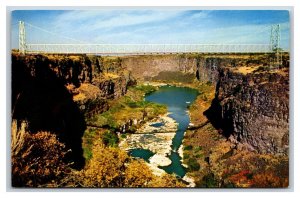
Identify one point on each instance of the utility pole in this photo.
(275, 44)
(22, 37)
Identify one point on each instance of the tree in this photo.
(106, 167)
(137, 174)
(37, 159)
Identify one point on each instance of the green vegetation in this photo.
(193, 164)
(128, 108)
(87, 153)
(208, 181)
(189, 147)
(110, 139)
(145, 88)
(198, 148)
(186, 156)
(199, 156)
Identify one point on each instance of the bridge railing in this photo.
(147, 48)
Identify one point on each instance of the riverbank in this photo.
(155, 139)
(215, 161)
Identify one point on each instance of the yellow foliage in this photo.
(106, 167)
(167, 181)
(137, 174)
(112, 167)
(79, 97)
(37, 159)
(111, 75)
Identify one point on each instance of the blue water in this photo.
(158, 124)
(175, 98)
(141, 153)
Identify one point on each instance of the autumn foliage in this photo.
(37, 159)
(112, 167)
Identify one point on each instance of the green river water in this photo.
(177, 100)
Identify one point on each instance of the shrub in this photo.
(105, 169)
(197, 149)
(193, 164)
(208, 181)
(112, 167)
(137, 174)
(37, 159)
(166, 180)
(87, 153)
(199, 156)
(269, 180)
(188, 147)
(186, 156)
(110, 139)
(146, 88)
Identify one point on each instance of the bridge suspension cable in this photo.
(53, 33)
(86, 48)
(265, 29)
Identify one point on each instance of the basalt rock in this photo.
(253, 109)
(56, 93)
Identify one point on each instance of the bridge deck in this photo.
(138, 49)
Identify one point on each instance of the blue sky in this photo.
(151, 26)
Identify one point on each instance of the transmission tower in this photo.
(275, 45)
(22, 37)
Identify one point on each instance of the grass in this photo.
(246, 69)
(111, 76)
(122, 111)
(146, 89)
(129, 107)
(110, 139)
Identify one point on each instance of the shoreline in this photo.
(158, 142)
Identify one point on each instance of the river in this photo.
(177, 100)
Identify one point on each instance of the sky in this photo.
(151, 26)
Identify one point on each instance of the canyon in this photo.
(247, 106)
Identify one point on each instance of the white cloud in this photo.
(105, 20)
(155, 26)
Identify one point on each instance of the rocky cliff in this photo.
(56, 93)
(253, 109)
(203, 67)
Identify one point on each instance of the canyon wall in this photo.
(173, 67)
(56, 93)
(253, 109)
(203, 67)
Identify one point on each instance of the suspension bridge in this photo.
(137, 49)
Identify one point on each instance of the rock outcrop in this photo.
(56, 93)
(253, 109)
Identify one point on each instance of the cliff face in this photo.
(56, 93)
(148, 66)
(253, 109)
(79, 74)
(203, 67)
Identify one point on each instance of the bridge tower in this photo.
(22, 37)
(275, 45)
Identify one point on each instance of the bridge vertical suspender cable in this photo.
(84, 47)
